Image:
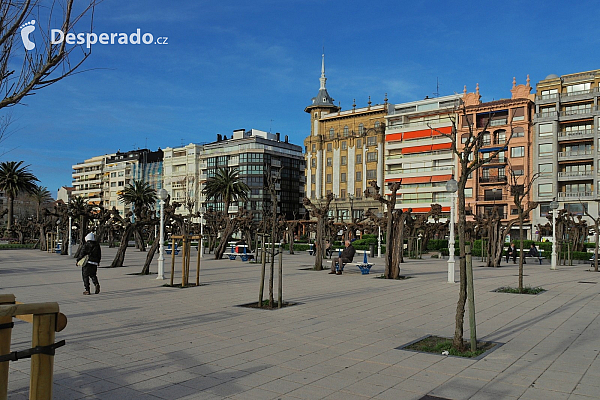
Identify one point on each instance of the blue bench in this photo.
(365, 266)
(235, 251)
(168, 250)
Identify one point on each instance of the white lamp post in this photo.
(379, 237)
(554, 207)
(451, 187)
(70, 248)
(162, 196)
(202, 211)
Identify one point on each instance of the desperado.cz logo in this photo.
(57, 36)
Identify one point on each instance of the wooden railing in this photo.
(46, 319)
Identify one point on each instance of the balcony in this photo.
(575, 154)
(493, 179)
(577, 93)
(497, 160)
(574, 175)
(546, 114)
(574, 135)
(482, 197)
(575, 195)
(483, 215)
(547, 98)
(574, 114)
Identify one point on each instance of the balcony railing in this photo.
(490, 179)
(575, 153)
(502, 215)
(567, 94)
(414, 170)
(497, 160)
(568, 113)
(574, 195)
(482, 197)
(566, 174)
(546, 114)
(575, 134)
(547, 96)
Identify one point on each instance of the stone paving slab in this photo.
(140, 340)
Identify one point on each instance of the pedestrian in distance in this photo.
(91, 250)
(512, 252)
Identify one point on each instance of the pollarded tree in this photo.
(320, 212)
(227, 187)
(15, 178)
(142, 197)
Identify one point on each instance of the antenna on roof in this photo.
(271, 126)
(437, 88)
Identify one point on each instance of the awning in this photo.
(394, 180)
(416, 149)
(442, 146)
(441, 178)
(425, 209)
(492, 149)
(416, 179)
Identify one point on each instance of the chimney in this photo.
(277, 136)
(219, 137)
(286, 138)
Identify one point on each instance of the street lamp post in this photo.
(162, 196)
(554, 207)
(70, 248)
(202, 211)
(379, 237)
(451, 187)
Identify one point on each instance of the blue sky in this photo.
(240, 64)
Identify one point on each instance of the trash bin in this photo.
(372, 249)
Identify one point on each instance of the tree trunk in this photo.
(139, 240)
(150, 256)
(9, 218)
(120, 256)
(319, 243)
(43, 243)
(521, 250)
(457, 342)
(227, 232)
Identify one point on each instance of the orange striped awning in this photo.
(441, 146)
(441, 178)
(416, 179)
(416, 149)
(394, 180)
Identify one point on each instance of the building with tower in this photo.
(344, 152)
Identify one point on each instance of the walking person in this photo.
(91, 248)
(344, 258)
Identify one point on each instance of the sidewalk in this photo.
(138, 340)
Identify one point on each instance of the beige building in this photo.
(88, 177)
(344, 152)
(182, 176)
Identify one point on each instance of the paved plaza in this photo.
(138, 340)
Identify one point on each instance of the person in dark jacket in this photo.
(512, 252)
(533, 252)
(344, 258)
(91, 248)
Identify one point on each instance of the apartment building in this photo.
(344, 152)
(418, 155)
(121, 169)
(566, 135)
(88, 177)
(490, 187)
(181, 168)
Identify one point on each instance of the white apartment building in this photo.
(181, 176)
(87, 179)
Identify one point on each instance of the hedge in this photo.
(17, 246)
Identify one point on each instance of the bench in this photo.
(526, 254)
(168, 250)
(235, 251)
(365, 266)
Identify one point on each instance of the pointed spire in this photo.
(323, 79)
(477, 90)
(514, 82)
(369, 102)
(465, 90)
(528, 80)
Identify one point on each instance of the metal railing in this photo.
(491, 179)
(575, 153)
(575, 194)
(567, 113)
(569, 134)
(546, 114)
(565, 174)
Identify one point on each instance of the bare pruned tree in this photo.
(320, 212)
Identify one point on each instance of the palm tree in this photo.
(41, 195)
(227, 187)
(14, 179)
(140, 194)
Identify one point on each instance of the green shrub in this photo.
(17, 246)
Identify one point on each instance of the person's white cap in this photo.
(90, 236)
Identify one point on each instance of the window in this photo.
(545, 149)
(313, 162)
(514, 211)
(518, 171)
(576, 208)
(548, 111)
(545, 169)
(314, 148)
(328, 178)
(500, 137)
(121, 183)
(377, 124)
(578, 109)
(545, 130)
(371, 141)
(113, 184)
(358, 176)
(331, 133)
(346, 131)
(359, 158)
(464, 138)
(468, 192)
(549, 94)
(113, 174)
(579, 88)
(344, 145)
(518, 132)
(371, 174)
(343, 196)
(519, 114)
(361, 129)
(545, 189)
(372, 156)
(358, 142)
(329, 162)
(343, 177)
(486, 140)
(329, 147)
(517, 151)
(344, 160)
(313, 178)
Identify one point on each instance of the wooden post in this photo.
(280, 284)
(262, 273)
(184, 252)
(172, 260)
(5, 336)
(42, 365)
